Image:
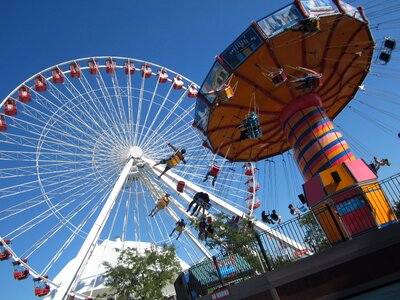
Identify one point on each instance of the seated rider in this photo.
(212, 171)
(266, 218)
(294, 211)
(249, 127)
(276, 217)
(161, 203)
(200, 200)
(173, 160)
(179, 228)
(380, 162)
(310, 81)
(202, 227)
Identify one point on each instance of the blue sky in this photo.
(184, 36)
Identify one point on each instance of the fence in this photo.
(311, 231)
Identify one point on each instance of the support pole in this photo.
(91, 241)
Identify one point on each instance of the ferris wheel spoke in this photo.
(155, 118)
(170, 127)
(97, 108)
(149, 110)
(74, 233)
(34, 129)
(121, 108)
(53, 209)
(139, 109)
(31, 203)
(109, 104)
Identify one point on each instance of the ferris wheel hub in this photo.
(135, 152)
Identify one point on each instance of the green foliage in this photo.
(226, 236)
(142, 275)
(314, 237)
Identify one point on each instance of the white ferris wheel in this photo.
(79, 141)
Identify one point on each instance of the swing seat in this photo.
(314, 81)
(214, 170)
(180, 186)
(254, 133)
(384, 57)
(225, 93)
(389, 43)
(278, 79)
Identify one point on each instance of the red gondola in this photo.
(178, 83)
(24, 94)
(192, 91)
(129, 67)
(146, 71)
(256, 205)
(3, 123)
(162, 76)
(93, 67)
(20, 272)
(40, 83)
(250, 172)
(10, 107)
(41, 287)
(4, 253)
(110, 66)
(57, 75)
(180, 186)
(75, 70)
(253, 188)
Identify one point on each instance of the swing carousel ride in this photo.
(90, 146)
(280, 85)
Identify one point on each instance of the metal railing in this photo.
(311, 230)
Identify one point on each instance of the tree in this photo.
(142, 275)
(314, 236)
(227, 234)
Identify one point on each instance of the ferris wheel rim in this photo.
(88, 58)
(41, 139)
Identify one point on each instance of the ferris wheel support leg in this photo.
(93, 236)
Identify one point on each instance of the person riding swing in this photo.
(173, 160)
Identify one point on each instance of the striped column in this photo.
(317, 144)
